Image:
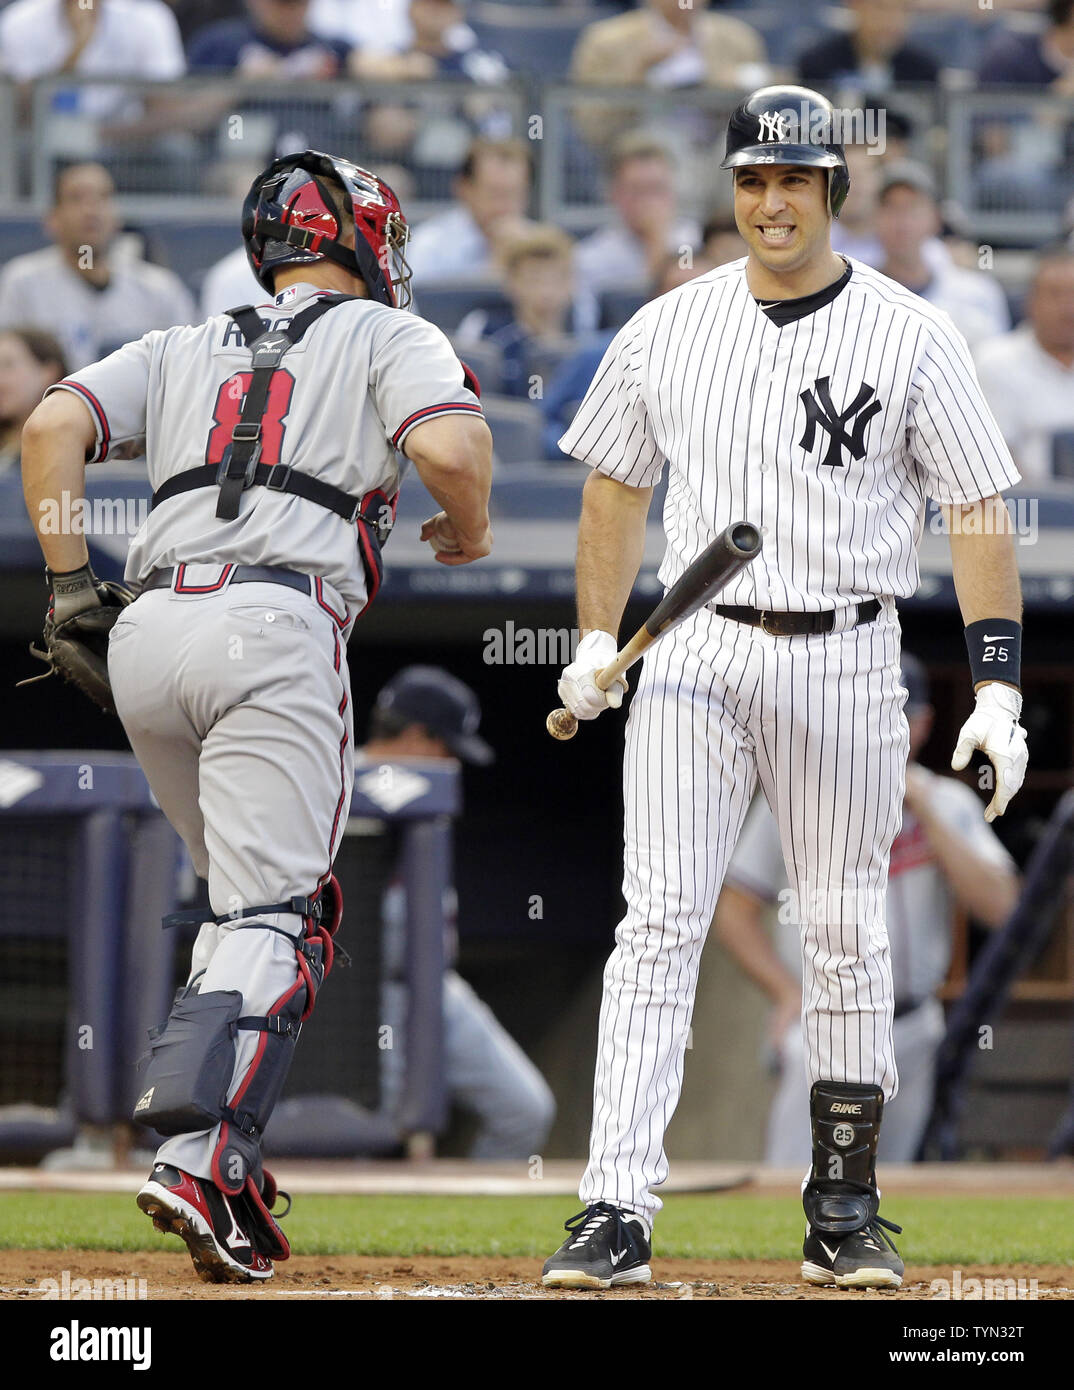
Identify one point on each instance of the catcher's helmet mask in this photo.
(290, 218)
(789, 125)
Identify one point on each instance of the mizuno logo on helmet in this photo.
(773, 125)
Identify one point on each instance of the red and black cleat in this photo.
(201, 1215)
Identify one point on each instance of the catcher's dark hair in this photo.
(340, 202)
(484, 148)
(62, 167)
(41, 346)
(1059, 11)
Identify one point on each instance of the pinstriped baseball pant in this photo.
(818, 722)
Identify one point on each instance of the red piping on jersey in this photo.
(182, 588)
(430, 410)
(318, 585)
(337, 660)
(98, 410)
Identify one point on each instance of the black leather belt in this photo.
(796, 624)
(240, 574)
(901, 1010)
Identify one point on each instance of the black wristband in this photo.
(995, 649)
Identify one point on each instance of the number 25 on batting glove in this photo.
(993, 727)
(577, 688)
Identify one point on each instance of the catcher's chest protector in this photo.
(241, 466)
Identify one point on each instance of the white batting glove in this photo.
(577, 688)
(993, 727)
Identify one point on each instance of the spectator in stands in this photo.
(662, 44)
(1041, 59)
(535, 327)
(872, 53)
(381, 26)
(426, 713)
(30, 362)
(721, 240)
(110, 38)
(192, 15)
(492, 192)
(442, 44)
(628, 253)
(571, 381)
(93, 300)
(432, 137)
(274, 39)
(854, 234)
(907, 227)
(1028, 375)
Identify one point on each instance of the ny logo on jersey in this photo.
(773, 125)
(821, 411)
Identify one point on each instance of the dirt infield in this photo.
(168, 1275)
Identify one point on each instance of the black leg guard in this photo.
(192, 1059)
(840, 1195)
(237, 1155)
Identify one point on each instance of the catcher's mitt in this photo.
(77, 648)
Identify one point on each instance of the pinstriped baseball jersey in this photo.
(180, 390)
(827, 432)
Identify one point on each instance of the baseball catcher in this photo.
(273, 436)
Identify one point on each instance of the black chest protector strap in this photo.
(241, 465)
(238, 467)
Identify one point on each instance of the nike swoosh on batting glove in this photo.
(993, 727)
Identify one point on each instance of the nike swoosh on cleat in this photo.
(830, 1253)
(617, 1257)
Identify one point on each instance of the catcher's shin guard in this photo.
(840, 1195)
(192, 1056)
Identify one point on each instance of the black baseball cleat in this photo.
(606, 1246)
(865, 1259)
(200, 1214)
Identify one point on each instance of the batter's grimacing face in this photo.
(781, 211)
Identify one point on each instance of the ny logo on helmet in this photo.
(773, 125)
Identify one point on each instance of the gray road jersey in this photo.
(344, 401)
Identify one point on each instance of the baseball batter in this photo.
(271, 438)
(813, 397)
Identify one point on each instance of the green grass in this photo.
(939, 1230)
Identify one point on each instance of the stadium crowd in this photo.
(168, 103)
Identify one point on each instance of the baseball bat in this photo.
(715, 567)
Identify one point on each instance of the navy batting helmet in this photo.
(289, 218)
(789, 125)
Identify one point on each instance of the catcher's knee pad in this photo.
(840, 1195)
(192, 1056)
